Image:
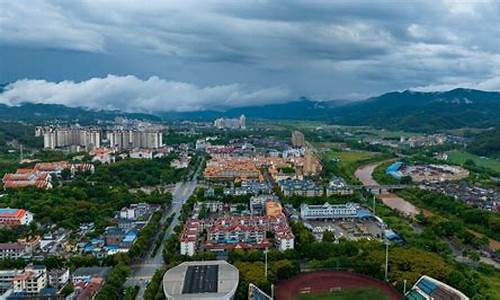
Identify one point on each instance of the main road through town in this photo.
(142, 272)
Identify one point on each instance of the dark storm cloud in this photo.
(248, 51)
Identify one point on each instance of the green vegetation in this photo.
(349, 294)
(78, 202)
(131, 292)
(20, 133)
(487, 143)
(114, 283)
(382, 177)
(139, 172)
(345, 163)
(458, 213)
(153, 290)
(465, 158)
(145, 238)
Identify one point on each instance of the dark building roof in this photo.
(201, 279)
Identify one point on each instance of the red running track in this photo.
(326, 281)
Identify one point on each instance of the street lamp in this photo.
(386, 259)
(265, 263)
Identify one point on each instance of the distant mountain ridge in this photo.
(422, 111)
(409, 110)
(45, 112)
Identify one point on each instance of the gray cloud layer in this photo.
(279, 50)
(131, 94)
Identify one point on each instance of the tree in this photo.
(328, 236)
(66, 174)
(284, 269)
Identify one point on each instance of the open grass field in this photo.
(345, 163)
(493, 282)
(459, 157)
(350, 157)
(350, 294)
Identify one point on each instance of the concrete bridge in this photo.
(381, 189)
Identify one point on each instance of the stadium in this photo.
(326, 285)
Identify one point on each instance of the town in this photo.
(178, 198)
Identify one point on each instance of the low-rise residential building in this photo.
(120, 237)
(104, 156)
(338, 186)
(189, 237)
(295, 187)
(137, 211)
(24, 179)
(88, 290)
(85, 274)
(181, 162)
(31, 280)
(273, 208)
(236, 232)
(232, 168)
(82, 168)
(6, 278)
(58, 278)
(14, 217)
(248, 187)
(258, 204)
(141, 154)
(12, 250)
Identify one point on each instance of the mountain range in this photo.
(408, 110)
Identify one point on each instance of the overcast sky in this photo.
(195, 55)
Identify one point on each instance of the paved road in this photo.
(143, 272)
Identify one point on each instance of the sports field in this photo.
(350, 294)
(334, 285)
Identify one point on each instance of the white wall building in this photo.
(31, 280)
(328, 211)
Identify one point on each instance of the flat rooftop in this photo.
(201, 280)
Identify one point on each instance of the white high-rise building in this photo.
(69, 137)
(131, 139)
(236, 123)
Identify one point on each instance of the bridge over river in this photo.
(364, 174)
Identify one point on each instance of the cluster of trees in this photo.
(78, 202)
(12, 234)
(457, 212)
(153, 290)
(21, 132)
(486, 143)
(346, 169)
(138, 172)
(131, 292)
(161, 234)
(382, 177)
(281, 266)
(406, 262)
(114, 282)
(145, 238)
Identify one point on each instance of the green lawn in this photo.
(349, 157)
(345, 163)
(350, 294)
(459, 157)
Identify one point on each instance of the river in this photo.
(364, 174)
